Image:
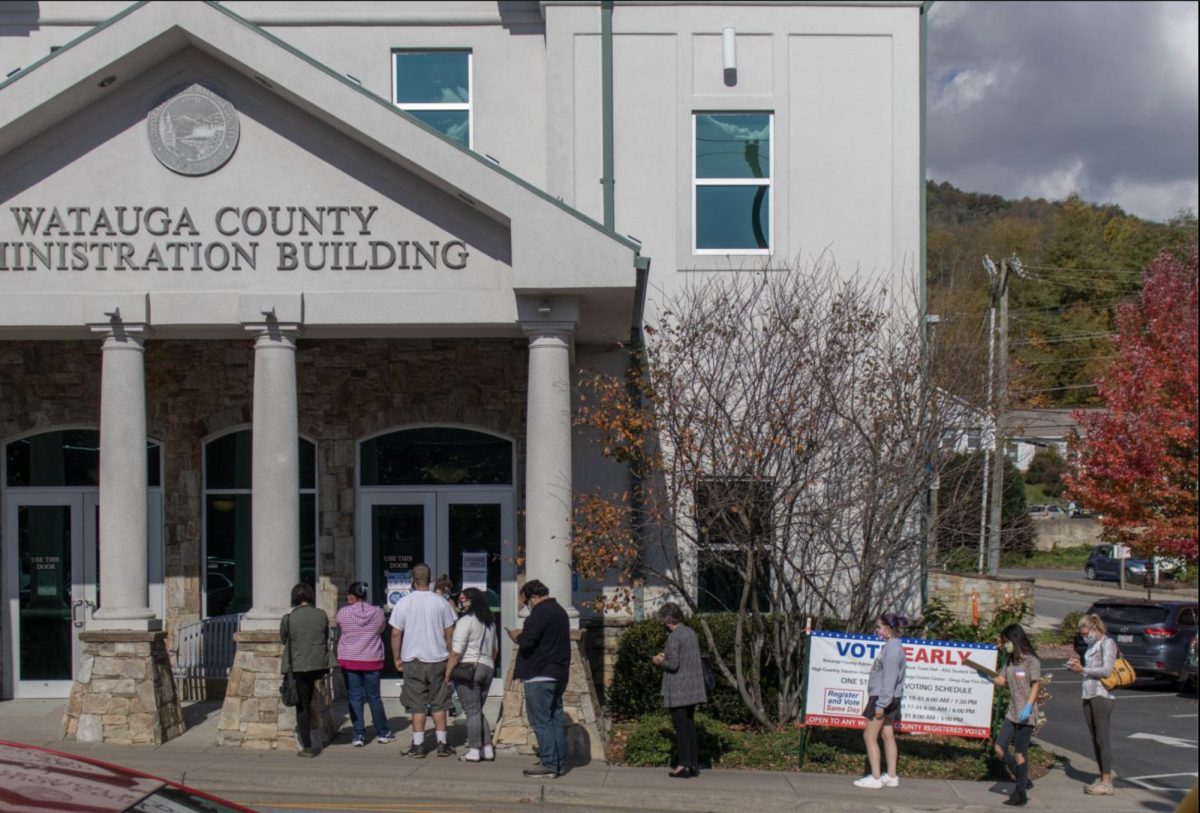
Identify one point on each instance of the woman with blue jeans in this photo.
(360, 656)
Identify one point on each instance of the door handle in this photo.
(81, 603)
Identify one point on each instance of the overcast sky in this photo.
(1046, 98)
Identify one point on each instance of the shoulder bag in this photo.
(1122, 673)
(289, 693)
(709, 674)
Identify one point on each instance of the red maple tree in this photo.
(1136, 462)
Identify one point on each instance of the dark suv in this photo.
(1154, 636)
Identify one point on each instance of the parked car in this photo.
(1154, 636)
(1102, 564)
(1189, 668)
(1047, 511)
(38, 779)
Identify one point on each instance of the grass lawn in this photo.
(1058, 559)
(1035, 494)
(830, 750)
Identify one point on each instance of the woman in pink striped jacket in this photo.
(360, 655)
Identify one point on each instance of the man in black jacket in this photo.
(544, 663)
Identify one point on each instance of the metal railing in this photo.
(203, 653)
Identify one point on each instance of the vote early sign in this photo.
(941, 695)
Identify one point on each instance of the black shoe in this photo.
(444, 750)
(541, 772)
(682, 773)
(415, 751)
(1018, 799)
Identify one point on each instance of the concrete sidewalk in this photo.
(343, 773)
(1112, 590)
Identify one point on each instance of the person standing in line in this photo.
(444, 588)
(477, 645)
(1098, 702)
(422, 626)
(682, 687)
(305, 636)
(544, 664)
(360, 656)
(1022, 675)
(885, 689)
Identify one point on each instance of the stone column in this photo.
(275, 480)
(548, 496)
(124, 582)
(123, 691)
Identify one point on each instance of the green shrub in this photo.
(636, 684)
(1047, 469)
(636, 681)
(942, 625)
(652, 744)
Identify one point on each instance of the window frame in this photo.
(205, 491)
(768, 182)
(467, 106)
(703, 545)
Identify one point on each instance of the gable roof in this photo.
(145, 34)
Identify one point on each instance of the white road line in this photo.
(1179, 716)
(1174, 742)
(1140, 780)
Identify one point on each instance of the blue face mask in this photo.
(1090, 636)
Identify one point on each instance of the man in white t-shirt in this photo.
(422, 630)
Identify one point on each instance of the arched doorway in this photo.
(52, 553)
(442, 495)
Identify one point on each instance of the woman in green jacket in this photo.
(305, 634)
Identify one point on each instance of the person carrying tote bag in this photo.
(305, 635)
(471, 667)
(1098, 701)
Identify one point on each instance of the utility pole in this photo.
(987, 453)
(1000, 292)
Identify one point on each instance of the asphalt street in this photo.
(1153, 733)
(277, 803)
(1051, 604)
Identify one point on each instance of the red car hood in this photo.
(37, 781)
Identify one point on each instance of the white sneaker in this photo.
(868, 781)
(890, 781)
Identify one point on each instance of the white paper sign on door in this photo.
(474, 569)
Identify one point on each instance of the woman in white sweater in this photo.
(475, 643)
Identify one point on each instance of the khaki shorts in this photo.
(425, 686)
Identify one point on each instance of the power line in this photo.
(1056, 389)
(1059, 339)
(1066, 361)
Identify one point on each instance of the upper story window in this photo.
(731, 183)
(435, 87)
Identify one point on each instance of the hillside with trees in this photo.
(1081, 261)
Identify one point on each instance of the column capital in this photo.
(273, 333)
(118, 335)
(536, 329)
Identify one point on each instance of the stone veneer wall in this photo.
(348, 389)
(993, 592)
(123, 692)
(252, 715)
(586, 738)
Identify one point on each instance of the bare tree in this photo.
(785, 430)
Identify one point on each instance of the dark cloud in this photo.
(1045, 98)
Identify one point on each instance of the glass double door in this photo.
(467, 534)
(52, 584)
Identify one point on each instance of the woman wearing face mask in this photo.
(1022, 674)
(885, 687)
(1098, 702)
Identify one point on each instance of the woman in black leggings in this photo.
(305, 634)
(682, 687)
(1098, 702)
